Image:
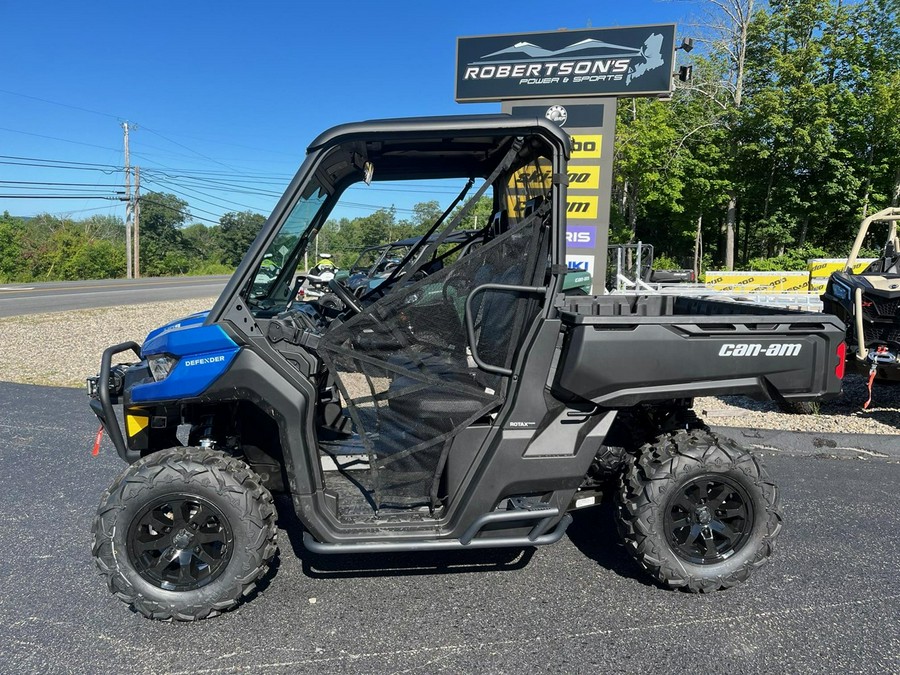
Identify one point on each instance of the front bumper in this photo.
(104, 397)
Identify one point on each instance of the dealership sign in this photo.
(581, 236)
(634, 61)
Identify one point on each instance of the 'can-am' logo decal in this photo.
(787, 349)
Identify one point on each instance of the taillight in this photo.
(842, 360)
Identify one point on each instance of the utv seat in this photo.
(447, 407)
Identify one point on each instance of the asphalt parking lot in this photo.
(829, 602)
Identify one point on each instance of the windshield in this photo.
(273, 279)
(366, 260)
(359, 210)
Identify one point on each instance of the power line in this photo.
(64, 105)
(56, 138)
(32, 182)
(202, 201)
(93, 208)
(180, 145)
(61, 161)
(73, 196)
(194, 190)
(180, 211)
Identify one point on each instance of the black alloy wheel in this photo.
(709, 519)
(185, 534)
(180, 543)
(697, 511)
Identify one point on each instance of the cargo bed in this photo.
(620, 350)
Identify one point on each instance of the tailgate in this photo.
(623, 360)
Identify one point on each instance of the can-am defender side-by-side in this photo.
(869, 304)
(466, 402)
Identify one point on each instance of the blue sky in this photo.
(226, 95)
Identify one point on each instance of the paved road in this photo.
(61, 296)
(830, 602)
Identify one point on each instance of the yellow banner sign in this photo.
(758, 282)
(584, 177)
(582, 208)
(586, 146)
(818, 284)
(531, 179)
(823, 267)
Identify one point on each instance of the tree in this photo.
(162, 214)
(204, 243)
(647, 174)
(725, 32)
(869, 47)
(237, 232)
(10, 247)
(426, 213)
(670, 166)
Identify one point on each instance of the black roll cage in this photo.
(402, 141)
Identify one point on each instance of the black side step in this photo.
(537, 536)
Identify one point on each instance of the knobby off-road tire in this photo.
(205, 513)
(698, 512)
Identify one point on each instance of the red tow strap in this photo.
(97, 439)
(881, 350)
(871, 380)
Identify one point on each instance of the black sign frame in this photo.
(626, 61)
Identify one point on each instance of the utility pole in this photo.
(137, 222)
(129, 205)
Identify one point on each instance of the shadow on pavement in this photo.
(318, 566)
(592, 531)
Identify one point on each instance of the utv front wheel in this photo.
(184, 534)
(698, 512)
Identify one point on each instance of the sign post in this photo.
(573, 79)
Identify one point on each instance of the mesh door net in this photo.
(403, 369)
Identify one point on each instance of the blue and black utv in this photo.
(466, 402)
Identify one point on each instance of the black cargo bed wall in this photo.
(664, 305)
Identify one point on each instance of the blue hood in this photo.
(202, 353)
(189, 321)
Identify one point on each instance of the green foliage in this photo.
(163, 250)
(236, 232)
(204, 244)
(46, 248)
(210, 268)
(664, 262)
(10, 247)
(810, 146)
(792, 260)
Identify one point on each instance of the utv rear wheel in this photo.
(698, 512)
(184, 534)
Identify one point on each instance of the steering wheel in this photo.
(459, 285)
(349, 300)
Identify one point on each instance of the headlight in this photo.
(160, 366)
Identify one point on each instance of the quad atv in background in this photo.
(473, 407)
(869, 304)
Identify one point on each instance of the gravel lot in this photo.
(63, 348)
